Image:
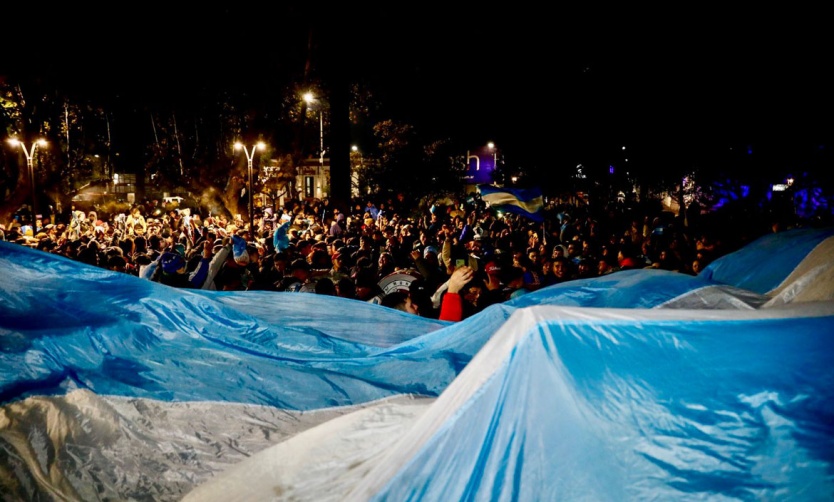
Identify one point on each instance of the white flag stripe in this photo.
(503, 198)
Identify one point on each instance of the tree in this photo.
(29, 112)
(424, 171)
(12, 176)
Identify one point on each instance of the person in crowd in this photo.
(325, 286)
(416, 301)
(559, 250)
(299, 277)
(117, 263)
(371, 209)
(234, 273)
(546, 271)
(172, 269)
(337, 226)
(427, 264)
(666, 261)
(339, 268)
(271, 270)
(627, 257)
(394, 248)
(492, 276)
(605, 265)
(319, 259)
(574, 251)
(562, 270)
(587, 268)
(385, 265)
(366, 249)
(135, 218)
(513, 280)
(346, 288)
(452, 306)
(367, 287)
(432, 244)
(532, 278)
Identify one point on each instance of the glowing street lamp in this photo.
(260, 145)
(30, 155)
(355, 153)
(354, 150)
(310, 98)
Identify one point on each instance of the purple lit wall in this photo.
(724, 194)
(480, 165)
(809, 202)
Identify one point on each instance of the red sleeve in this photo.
(451, 308)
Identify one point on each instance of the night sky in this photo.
(547, 87)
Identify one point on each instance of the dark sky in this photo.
(562, 88)
(546, 85)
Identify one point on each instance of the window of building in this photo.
(309, 186)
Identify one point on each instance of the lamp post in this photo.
(491, 146)
(355, 151)
(354, 174)
(260, 145)
(30, 155)
(309, 98)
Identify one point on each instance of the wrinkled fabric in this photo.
(643, 384)
(761, 266)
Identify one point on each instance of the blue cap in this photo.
(239, 249)
(171, 262)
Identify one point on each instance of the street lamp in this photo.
(354, 172)
(260, 145)
(309, 98)
(30, 154)
(354, 150)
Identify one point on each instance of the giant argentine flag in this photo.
(643, 384)
(524, 201)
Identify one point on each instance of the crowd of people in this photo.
(453, 259)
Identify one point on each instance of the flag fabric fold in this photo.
(524, 201)
(636, 385)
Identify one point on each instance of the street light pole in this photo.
(321, 142)
(309, 98)
(354, 176)
(250, 193)
(30, 155)
(355, 149)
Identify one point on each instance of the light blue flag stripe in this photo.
(527, 202)
(636, 405)
(721, 381)
(766, 262)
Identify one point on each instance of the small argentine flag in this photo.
(526, 202)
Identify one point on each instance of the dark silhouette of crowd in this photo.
(446, 261)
